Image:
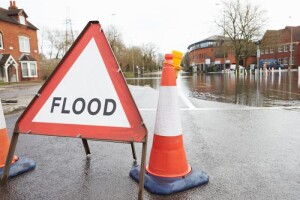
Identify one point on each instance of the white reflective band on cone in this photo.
(168, 121)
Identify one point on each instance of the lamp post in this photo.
(257, 53)
(224, 52)
(291, 50)
(291, 47)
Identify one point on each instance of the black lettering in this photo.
(77, 112)
(63, 110)
(97, 101)
(54, 103)
(106, 112)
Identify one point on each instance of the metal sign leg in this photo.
(133, 154)
(142, 171)
(86, 146)
(10, 155)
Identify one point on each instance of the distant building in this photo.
(19, 56)
(212, 52)
(276, 44)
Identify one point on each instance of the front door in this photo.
(12, 74)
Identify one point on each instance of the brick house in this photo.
(19, 56)
(276, 44)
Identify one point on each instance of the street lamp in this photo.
(291, 48)
(258, 42)
(224, 52)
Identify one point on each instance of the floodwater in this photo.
(271, 89)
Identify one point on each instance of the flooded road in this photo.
(257, 90)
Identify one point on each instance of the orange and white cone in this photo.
(168, 170)
(19, 164)
(168, 158)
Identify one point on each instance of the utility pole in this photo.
(291, 50)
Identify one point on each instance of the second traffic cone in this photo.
(19, 164)
(168, 170)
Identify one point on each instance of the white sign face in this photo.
(85, 95)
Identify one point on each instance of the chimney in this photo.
(12, 5)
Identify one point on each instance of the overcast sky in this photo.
(168, 24)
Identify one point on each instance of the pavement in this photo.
(248, 153)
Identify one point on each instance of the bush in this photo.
(47, 67)
(128, 74)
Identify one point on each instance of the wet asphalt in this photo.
(248, 153)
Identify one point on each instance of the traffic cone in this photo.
(168, 170)
(19, 164)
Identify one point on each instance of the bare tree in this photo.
(242, 23)
(149, 56)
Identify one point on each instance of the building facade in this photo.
(282, 45)
(214, 52)
(19, 56)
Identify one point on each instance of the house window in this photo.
(285, 48)
(262, 51)
(280, 60)
(266, 51)
(271, 50)
(24, 44)
(292, 47)
(292, 61)
(285, 61)
(1, 41)
(29, 69)
(279, 49)
(22, 19)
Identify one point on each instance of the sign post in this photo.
(85, 97)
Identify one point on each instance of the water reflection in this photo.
(262, 89)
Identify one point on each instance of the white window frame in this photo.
(22, 20)
(292, 60)
(280, 49)
(280, 60)
(285, 61)
(1, 41)
(262, 51)
(266, 51)
(271, 50)
(24, 44)
(29, 74)
(285, 48)
(292, 47)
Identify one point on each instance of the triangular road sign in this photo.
(86, 96)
